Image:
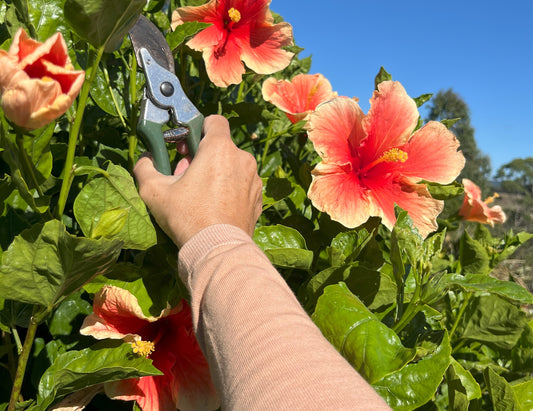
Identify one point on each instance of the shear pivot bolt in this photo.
(167, 89)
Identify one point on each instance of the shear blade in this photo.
(145, 34)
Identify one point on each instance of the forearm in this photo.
(263, 349)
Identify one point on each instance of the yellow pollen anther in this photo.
(143, 348)
(394, 155)
(47, 79)
(491, 199)
(234, 15)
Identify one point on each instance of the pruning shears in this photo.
(164, 100)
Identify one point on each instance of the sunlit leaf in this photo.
(104, 362)
(284, 246)
(115, 191)
(416, 383)
(102, 22)
(46, 264)
(462, 386)
(500, 392)
(370, 346)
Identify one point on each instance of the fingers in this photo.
(182, 165)
(144, 170)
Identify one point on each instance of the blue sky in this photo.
(483, 50)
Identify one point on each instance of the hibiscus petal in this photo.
(119, 310)
(474, 209)
(223, 64)
(207, 13)
(298, 97)
(433, 154)
(261, 47)
(414, 198)
(151, 393)
(192, 378)
(337, 192)
(336, 131)
(391, 119)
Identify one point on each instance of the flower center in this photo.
(47, 79)
(234, 15)
(491, 199)
(394, 155)
(143, 348)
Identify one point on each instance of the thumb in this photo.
(144, 170)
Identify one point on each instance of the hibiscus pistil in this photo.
(490, 200)
(143, 348)
(394, 155)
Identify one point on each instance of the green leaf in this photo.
(101, 363)
(524, 394)
(275, 190)
(372, 287)
(183, 31)
(347, 246)
(420, 100)
(483, 283)
(522, 352)
(68, 317)
(284, 246)
(444, 192)
(381, 76)
(416, 383)
(47, 18)
(492, 320)
(500, 392)
(45, 264)
(103, 23)
(462, 386)
(113, 192)
(450, 122)
(473, 256)
(370, 346)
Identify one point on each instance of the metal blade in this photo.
(145, 34)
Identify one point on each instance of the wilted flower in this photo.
(371, 162)
(168, 340)
(240, 30)
(299, 97)
(475, 209)
(38, 83)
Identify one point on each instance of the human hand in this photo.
(219, 186)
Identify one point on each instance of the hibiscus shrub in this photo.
(91, 308)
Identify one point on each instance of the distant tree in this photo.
(517, 176)
(448, 105)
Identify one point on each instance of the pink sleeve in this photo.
(263, 349)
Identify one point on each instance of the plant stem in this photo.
(17, 340)
(240, 93)
(92, 66)
(23, 361)
(132, 136)
(460, 314)
(412, 309)
(27, 162)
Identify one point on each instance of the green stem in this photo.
(132, 137)
(23, 361)
(110, 89)
(90, 75)
(17, 340)
(27, 162)
(11, 366)
(412, 309)
(240, 93)
(460, 314)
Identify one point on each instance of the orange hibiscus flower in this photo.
(168, 340)
(299, 97)
(240, 30)
(372, 162)
(37, 80)
(475, 209)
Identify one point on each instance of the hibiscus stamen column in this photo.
(394, 155)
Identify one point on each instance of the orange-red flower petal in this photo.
(252, 38)
(370, 163)
(299, 96)
(477, 210)
(186, 382)
(37, 82)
